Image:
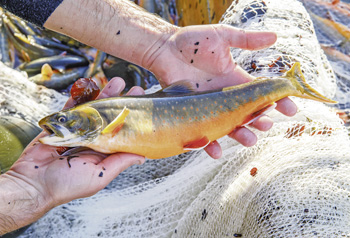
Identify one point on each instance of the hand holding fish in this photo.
(42, 179)
(202, 54)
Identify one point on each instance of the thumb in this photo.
(248, 40)
(114, 164)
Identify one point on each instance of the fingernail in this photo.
(139, 162)
(117, 85)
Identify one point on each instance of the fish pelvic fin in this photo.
(197, 144)
(256, 115)
(305, 90)
(117, 124)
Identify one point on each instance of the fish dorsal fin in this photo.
(117, 123)
(295, 71)
(179, 87)
(197, 144)
(46, 71)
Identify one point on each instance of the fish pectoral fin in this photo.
(117, 123)
(197, 144)
(260, 113)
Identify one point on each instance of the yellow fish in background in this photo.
(172, 121)
(187, 12)
(195, 12)
(335, 32)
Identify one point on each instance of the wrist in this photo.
(157, 49)
(21, 203)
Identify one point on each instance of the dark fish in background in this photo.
(58, 62)
(96, 66)
(29, 50)
(58, 80)
(133, 75)
(4, 47)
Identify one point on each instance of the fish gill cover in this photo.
(301, 185)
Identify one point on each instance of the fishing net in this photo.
(24, 99)
(293, 183)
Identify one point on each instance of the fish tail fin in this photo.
(304, 89)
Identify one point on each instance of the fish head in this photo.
(72, 127)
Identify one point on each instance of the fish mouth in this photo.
(52, 130)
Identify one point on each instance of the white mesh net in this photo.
(24, 99)
(293, 183)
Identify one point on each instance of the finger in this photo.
(214, 150)
(263, 123)
(114, 164)
(287, 107)
(114, 87)
(244, 136)
(249, 40)
(136, 90)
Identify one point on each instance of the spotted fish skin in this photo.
(159, 126)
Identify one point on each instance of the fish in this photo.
(172, 121)
(192, 12)
(58, 80)
(334, 33)
(58, 62)
(131, 73)
(96, 66)
(30, 50)
(4, 47)
(332, 11)
(335, 55)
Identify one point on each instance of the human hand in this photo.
(60, 179)
(202, 55)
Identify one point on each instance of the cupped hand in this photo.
(201, 54)
(60, 179)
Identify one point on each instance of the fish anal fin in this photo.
(116, 125)
(256, 115)
(197, 144)
(178, 88)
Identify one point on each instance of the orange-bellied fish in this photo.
(170, 122)
(334, 32)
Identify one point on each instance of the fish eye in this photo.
(62, 119)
